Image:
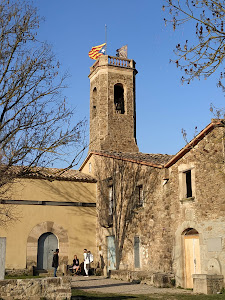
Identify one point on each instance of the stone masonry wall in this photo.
(205, 212)
(148, 222)
(35, 289)
(164, 217)
(161, 222)
(108, 129)
(151, 224)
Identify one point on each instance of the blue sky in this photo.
(164, 106)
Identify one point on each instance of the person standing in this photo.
(86, 262)
(55, 261)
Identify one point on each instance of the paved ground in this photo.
(107, 285)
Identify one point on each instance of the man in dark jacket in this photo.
(55, 261)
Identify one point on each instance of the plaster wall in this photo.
(74, 226)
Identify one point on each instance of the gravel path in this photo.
(107, 285)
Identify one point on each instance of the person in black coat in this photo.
(55, 261)
(76, 264)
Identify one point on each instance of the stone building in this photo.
(153, 217)
(160, 217)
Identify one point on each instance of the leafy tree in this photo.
(204, 55)
(35, 123)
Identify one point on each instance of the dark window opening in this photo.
(190, 231)
(188, 184)
(139, 195)
(94, 102)
(119, 98)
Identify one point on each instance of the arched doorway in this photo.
(47, 243)
(36, 233)
(192, 255)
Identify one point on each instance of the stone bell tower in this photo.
(112, 105)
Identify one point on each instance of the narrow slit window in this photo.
(94, 103)
(111, 203)
(188, 184)
(140, 196)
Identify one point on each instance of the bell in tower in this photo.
(112, 105)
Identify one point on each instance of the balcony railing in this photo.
(113, 61)
(119, 61)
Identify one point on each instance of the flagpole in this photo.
(105, 39)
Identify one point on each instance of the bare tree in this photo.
(35, 123)
(204, 55)
(121, 194)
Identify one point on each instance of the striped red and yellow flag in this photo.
(96, 51)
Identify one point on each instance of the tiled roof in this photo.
(52, 174)
(214, 123)
(155, 160)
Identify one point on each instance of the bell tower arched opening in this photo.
(119, 98)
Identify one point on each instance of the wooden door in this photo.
(192, 258)
(47, 244)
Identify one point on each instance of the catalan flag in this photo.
(97, 51)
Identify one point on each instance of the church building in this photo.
(160, 217)
(157, 218)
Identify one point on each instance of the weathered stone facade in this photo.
(36, 289)
(167, 215)
(179, 229)
(109, 128)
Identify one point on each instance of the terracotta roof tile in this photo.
(157, 160)
(52, 174)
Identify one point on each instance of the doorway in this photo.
(192, 255)
(111, 253)
(47, 244)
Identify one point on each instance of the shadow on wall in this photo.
(68, 191)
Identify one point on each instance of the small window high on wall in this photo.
(188, 184)
(119, 98)
(94, 102)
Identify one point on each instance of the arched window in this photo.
(190, 231)
(119, 98)
(94, 103)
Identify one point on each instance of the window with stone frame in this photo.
(186, 182)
